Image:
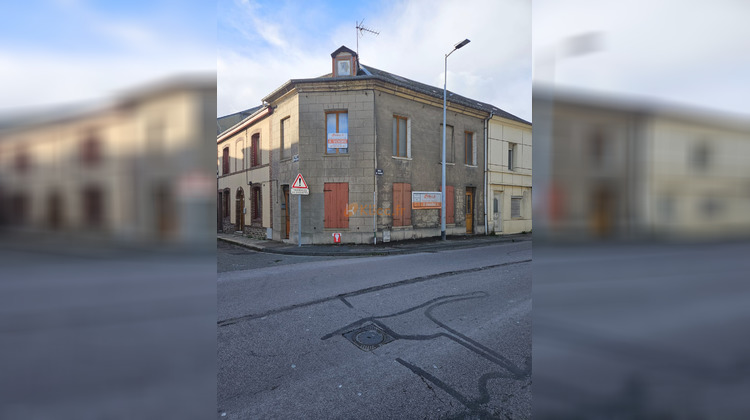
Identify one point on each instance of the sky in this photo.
(686, 53)
(55, 52)
(263, 44)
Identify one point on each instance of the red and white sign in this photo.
(338, 140)
(336, 238)
(425, 200)
(299, 186)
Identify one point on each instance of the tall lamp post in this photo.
(445, 97)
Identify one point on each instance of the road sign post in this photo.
(299, 187)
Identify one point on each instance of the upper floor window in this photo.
(449, 149)
(23, 161)
(701, 156)
(91, 149)
(284, 146)
(401, 137)
(225, 161)
(337, 132)
(511, 156)
(240, 162)
(255, 159)
(469, 149)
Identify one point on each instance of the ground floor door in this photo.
(497, 210)
(469, 210)
(286, 211)
(240, 210)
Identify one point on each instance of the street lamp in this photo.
(445, 96)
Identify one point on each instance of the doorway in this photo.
(285, 208)
(240, 210)
(497, 210)
(469, 209)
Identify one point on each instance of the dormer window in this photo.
(343, 68)
(344, 62)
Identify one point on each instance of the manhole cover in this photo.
(368, 337)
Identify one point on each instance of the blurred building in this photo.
(628, 169)
(367, 142)
(137, 169)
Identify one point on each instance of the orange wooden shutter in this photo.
(406, 206)
(398, 203)
(449, 204)
(329, 205)
(342, 202)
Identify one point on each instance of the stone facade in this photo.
(363, 110)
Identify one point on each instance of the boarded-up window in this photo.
(225, 161)
(515, 207)
(336, 198)
(255, 150)
(401, 210)
(450, 202)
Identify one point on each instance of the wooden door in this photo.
(286, 211)
(240, 210)
(469, 210)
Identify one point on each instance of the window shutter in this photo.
(406, 206)
(343, 200)
(329, 203)
(515, 206)
(449, 205)
(398, 190)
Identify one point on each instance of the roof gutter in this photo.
(260, 114)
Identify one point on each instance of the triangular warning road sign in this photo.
(299, 182)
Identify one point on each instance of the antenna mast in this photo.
(360, 29)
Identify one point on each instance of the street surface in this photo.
(642, 331)
(106, 333)
(459, 320)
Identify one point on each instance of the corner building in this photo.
(364, 140)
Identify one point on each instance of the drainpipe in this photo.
(486, 168)
(374, 175)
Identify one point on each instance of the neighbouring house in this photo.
(133, 170)
(627, 168)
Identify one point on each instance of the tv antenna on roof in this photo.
(361, 29)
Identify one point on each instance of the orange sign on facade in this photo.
(421, 200)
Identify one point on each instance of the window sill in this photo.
(402, 227)
(401, 158)
(470, 166)
(336, 155)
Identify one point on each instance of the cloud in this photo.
(414, 37)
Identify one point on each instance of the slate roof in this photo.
(438, 93)
(367, 72)
(228, 121)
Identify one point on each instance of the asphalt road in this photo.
(106, 334)
(642, 331)
(460, 322)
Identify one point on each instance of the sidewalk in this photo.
(391, 248)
